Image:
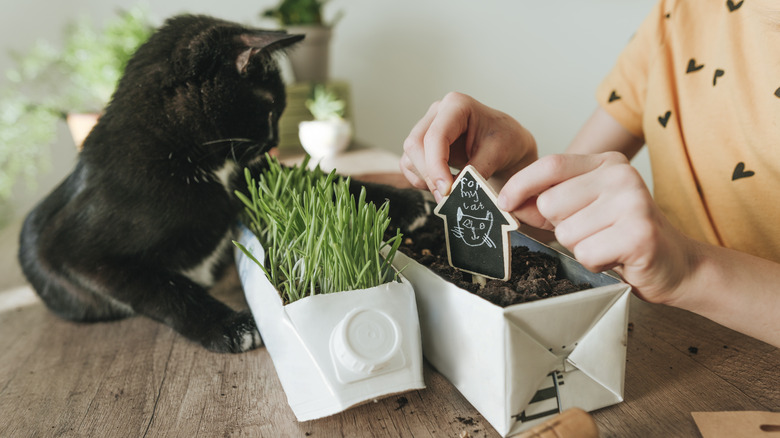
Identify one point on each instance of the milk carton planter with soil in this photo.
(551, 338)
(341, 329)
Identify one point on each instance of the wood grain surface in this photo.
(137, 378)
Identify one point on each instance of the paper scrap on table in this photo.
(744, 424)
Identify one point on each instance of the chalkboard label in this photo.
(477, 231)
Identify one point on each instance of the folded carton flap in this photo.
(558, 323)
(577, 389)
(558, 392)
(601, 352)
(528, 365)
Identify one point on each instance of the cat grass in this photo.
(318, 239)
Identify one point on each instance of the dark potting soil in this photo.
(535, 275)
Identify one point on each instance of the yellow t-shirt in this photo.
(700, 82)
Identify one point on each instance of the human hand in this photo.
(459, 130)
(601, 210)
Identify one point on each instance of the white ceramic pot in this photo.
(324, 138)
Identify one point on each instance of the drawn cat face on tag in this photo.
(474, 231)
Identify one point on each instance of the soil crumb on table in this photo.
(535, 275)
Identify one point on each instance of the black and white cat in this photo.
(143, 224)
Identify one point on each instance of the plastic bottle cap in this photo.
(366, 340)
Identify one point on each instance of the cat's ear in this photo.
(262, 42)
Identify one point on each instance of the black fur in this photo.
(146, 205)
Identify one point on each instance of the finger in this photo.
(414, 147)
(585, 222)
(603, 250)
(614, 186)
(630, 245)
(450, 123)
(413, 160)
(409, 172)
(529, 214)
(542, 174)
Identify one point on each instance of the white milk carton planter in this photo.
(521, 364)
(335, 351)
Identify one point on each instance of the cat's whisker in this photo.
(204, 153)
(225, 140)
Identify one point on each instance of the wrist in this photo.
(686, 290)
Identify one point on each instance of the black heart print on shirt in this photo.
(663, 120)
(692, 67)
(740, 172)
(733, 7)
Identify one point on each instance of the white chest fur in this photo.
(203, 273)
(224, 174)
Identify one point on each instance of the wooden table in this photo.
(135, 378)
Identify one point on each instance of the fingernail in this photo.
(437, 195)
(442, 187)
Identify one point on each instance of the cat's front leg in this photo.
(180, 303)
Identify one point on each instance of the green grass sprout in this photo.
(318, 239)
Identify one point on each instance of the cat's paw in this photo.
(237, 335)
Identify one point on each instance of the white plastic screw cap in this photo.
(366, 340)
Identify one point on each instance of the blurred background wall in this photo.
(539, 61)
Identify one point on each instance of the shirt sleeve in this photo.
(623, 91)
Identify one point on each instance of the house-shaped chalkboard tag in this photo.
(477, 231)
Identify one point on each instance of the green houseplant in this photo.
(339, 324)
(317, 238)
(329, 133)
(48, 82)
(310, 60)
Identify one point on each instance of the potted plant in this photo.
(329, 133)
(518, 361)
(50, 83)
(339, 323)
(310, 60)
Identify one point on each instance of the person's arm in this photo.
(602, 133)
(601, 210)
(734, 289)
